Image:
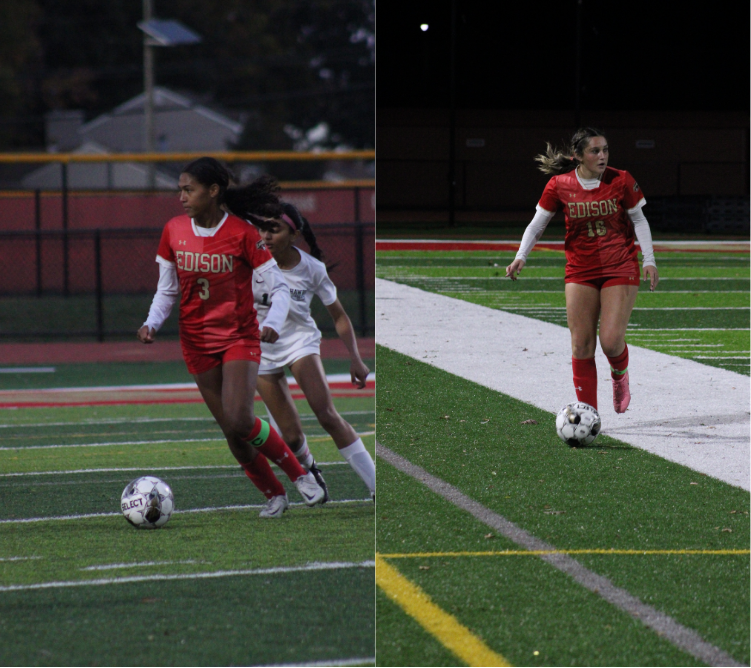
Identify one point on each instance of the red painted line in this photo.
(127, 402)
(64, 404)
(418, 245)
(454, 246)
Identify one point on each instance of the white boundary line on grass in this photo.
(665, 626)
(136, 420)
(236, 467)
(315, 566)
(219, 439)
(684, 411)
(331, 378)
(255, 506)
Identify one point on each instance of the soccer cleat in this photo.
(311, 492)
(275, 506)
(621, 393)
(321, 482)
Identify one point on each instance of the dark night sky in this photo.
(635, 55)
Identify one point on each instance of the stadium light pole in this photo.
(452, 117)
(157, 32)
(578, 119)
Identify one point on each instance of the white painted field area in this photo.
(684, 411)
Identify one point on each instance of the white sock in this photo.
(303, 454)
(361, 461)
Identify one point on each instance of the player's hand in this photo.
(651, 274)
(146, 334)
(358, 372)
(514, 269)
(269, 335)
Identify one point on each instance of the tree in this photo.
(284, 66)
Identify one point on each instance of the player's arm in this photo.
(278, 292)
(167, 290)
(358, 369)
(531, 236)
(644, 236)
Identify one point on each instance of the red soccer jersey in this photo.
(216, 274)
(599, 235)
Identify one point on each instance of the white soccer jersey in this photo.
(300, 335)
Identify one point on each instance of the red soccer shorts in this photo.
(606, 281)
(200, 362)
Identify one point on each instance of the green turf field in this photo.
(217, 585)
(699, 311)
(676, 539)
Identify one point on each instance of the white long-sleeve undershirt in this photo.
(542, 217)
(168, 289)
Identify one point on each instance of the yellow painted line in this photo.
(183, 156)
(537, 553)
(446, 628)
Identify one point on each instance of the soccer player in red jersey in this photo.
(603, 212)
(210, 255)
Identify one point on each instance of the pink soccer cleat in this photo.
(621, 393)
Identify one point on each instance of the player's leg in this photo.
(617, 301)
(238, 392)
(255, 465)
(310, 375)
(275, 393)
(582, 312)
(283, 415)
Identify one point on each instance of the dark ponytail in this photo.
(302, 224)
(258, 198)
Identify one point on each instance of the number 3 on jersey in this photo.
(204, 283)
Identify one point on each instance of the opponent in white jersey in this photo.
(298, 347)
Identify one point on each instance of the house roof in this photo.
(181, 124)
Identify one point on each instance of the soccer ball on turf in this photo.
(578, 424)
(147, 502)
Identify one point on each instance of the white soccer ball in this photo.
(578, 423)
(147, 502)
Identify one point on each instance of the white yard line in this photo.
(684, 411)
(141, 468)
(315, 566)
(143, 420)
(113, 567)
(88, 516)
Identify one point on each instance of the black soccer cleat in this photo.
(321, 482)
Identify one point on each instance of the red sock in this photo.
(264, 438)
(619, 365)
(261, 475)
(585, 380)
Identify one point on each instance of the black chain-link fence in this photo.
(99, 283)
